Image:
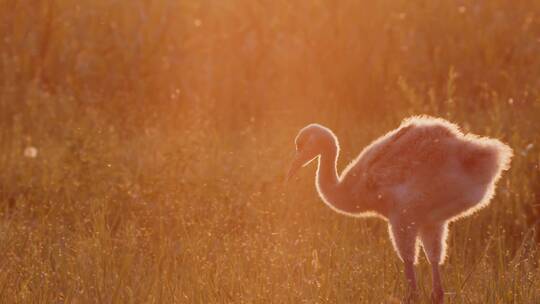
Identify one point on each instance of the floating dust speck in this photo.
(527, 149)
(30, 152)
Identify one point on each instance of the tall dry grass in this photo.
(163, 129)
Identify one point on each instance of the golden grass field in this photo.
(143, 146)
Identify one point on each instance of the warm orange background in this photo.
(163, 129)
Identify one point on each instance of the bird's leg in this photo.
(410, 277)
(433, 238)
(403, 235)
(437, 295)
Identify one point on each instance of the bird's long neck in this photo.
(329, 185)
(327, 177)
(337, 193)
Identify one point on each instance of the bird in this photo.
(418, 177)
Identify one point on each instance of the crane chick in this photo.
(418, 177)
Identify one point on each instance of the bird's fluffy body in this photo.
(429, 169)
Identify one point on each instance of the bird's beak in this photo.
(295, 165)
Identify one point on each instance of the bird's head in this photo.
(310, 142)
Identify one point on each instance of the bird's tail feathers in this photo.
(486, 158)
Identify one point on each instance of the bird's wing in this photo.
(408, 151)
(372, 165)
